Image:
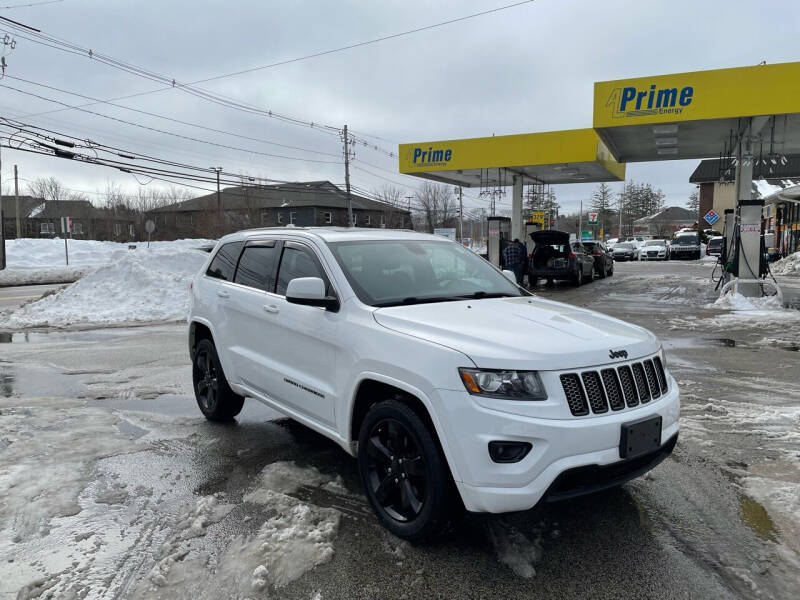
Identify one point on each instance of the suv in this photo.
(685, 244)
(452, 386)
(554, 257)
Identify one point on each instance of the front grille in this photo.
(662, 377)
(641, 382)
(576, 398)
(594, 391)
(614, 387)
(626, 377)
(655, 390)
(652, 253)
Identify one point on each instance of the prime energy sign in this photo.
(699, 95)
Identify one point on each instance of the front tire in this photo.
(216, 399)
(404, 474)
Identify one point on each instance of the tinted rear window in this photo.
(257, 267)
(224, 263)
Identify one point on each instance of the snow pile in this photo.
(284, 477)
(41, 260)
(787, 266)
(192, 524)
(139, 286)
(514, 549)
(737, 302)
(298, 538)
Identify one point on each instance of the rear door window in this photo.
(224, 263)
(297, 261)
(257, 265)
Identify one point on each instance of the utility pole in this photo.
(219, 204)
(460, 215)
(2, 229)
(580, 222)
(347, 178)
(16, 200)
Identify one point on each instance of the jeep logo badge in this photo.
(618, 354)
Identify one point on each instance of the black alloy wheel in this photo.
(215, 398)
(404, 473)
(396, 470)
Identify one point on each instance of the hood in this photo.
(656, 247)
(550, 236)
(520, 333)
(621, 250)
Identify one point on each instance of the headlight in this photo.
(508, 385)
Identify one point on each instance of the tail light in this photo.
(571, 255)
(598, 253)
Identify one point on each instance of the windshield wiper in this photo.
(418, 300)
(481, 294)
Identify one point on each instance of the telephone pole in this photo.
(16, 200)
(2, 232)
(347, 178)
(460, 216)
(219, 204)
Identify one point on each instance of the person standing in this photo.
(514, 258)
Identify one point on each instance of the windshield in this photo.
(624, 246)
(655, 243)
(394, 272)
(687, 239)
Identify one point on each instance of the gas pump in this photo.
(499, 236)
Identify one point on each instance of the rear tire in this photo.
(404, 473)
(602, 272)
(590, 277)
(215, 398)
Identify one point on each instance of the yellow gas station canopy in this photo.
(573, 156)
(695, 115)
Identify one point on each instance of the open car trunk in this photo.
(551, 249)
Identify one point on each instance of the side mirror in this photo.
(510, 276)
(310, 291)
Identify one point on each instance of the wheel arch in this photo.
(199, 329)
(372, 388)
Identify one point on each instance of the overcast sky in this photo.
(524, 69)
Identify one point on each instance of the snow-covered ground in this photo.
(121, 286)
(41, 260)
(787, 266)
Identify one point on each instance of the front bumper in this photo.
(559, 446)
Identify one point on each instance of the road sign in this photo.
(593, 218)
(448, 232)
(149, 227)
(586, 235)
(537, 216)
(711, 217)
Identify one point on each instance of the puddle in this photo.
(756, 517)
(727, 342)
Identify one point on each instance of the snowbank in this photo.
(787, 266)
(137, 286)
(737, 302)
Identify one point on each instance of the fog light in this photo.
(509, 452)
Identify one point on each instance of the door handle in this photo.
(223, 294)
(271, 308)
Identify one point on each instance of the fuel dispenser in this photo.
(499, 229)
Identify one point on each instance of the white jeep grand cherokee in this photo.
(452, 386)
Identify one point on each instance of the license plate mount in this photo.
(640, 437)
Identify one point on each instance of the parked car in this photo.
(685, 244)
(555, 257)
(714, 246)
(654, 250)
(452, 386)
(611, 243)
(603, 261)
(623, 251)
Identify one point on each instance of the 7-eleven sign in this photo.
(593, 218)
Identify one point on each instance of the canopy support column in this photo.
(517, 224)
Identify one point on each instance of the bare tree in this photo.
(48, 188)
(437, 205)
(392, 197)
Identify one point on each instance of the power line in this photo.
(171, 133)
(173, 83)
(30, 4)
(166, 118)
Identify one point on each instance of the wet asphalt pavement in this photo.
(113, 486)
